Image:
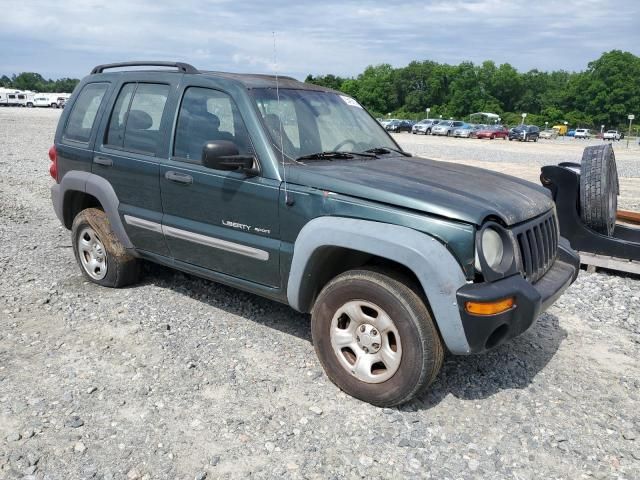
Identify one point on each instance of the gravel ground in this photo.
(180, 378)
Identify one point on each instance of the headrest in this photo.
(139, 120)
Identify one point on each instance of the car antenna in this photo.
(288, 201)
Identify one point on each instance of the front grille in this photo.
(538, 245)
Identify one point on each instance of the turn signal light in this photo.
(490, 308)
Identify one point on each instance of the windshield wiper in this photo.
(384, 150)
(330, 155)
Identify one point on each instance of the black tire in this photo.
(599, 188)
(421, 348)
(121, 267)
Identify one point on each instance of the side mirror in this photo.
(224, 155)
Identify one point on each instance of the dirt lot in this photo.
(180, 378)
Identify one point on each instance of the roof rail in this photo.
(183, 67)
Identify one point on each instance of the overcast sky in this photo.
(67, 37)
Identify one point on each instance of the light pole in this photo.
(546, 125)
(499, 120)
(524, 115)
(566, 129)
(602, 132)
(428, 110)
(631, 117)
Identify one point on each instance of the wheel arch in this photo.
(328, 246)
(79, 190)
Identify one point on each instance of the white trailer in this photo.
(10, 97)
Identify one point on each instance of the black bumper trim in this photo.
(486, 332)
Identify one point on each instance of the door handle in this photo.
(104, 161)
(178, 177)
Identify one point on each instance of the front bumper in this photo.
(486, 332)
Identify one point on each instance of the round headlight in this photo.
(492, 248)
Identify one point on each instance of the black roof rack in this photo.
(183, 67)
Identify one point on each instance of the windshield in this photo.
(314, 122)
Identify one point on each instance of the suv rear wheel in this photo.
(375, 338)
(101, 256)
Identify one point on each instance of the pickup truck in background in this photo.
(612, 135)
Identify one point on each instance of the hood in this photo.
(450, 190)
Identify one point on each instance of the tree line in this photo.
(603, 94)
(36, 83)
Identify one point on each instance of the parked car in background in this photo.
(583, 133)
(495, 131)
(446, 127)
(465, 131)
(424, 126)
(524, 133)
(400, 126)
(612, 135)
(549, 133)
(571, 133)
(386, 122)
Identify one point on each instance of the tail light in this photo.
(53, 168)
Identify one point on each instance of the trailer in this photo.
(10, 97)
(586, 196)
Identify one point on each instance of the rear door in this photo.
(134, 138)
(219, 220)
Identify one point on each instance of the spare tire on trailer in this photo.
(599, 188)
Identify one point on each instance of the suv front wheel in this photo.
(375, 338)
(101, 256)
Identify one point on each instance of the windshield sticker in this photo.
(350, 101)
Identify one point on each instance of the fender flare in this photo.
(439, 273)
(98, 187)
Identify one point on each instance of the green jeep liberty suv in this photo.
(294, 192)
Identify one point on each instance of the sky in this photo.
(66, 38)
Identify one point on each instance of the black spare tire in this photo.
(599, 188)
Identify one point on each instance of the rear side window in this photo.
(84, 112)
(137, 114)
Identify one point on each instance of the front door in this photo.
(219, 220)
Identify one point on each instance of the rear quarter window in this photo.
(83, 114)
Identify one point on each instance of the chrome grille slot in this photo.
(538, 245)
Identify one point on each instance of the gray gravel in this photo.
(543, 152)
(181, 378)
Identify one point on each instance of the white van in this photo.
(43, 100)
(53, 100)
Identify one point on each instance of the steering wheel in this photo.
(343, 143)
